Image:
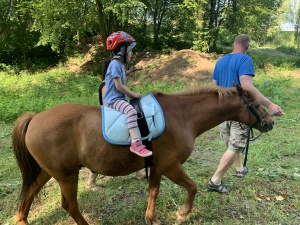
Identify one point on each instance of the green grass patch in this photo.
(40, 91)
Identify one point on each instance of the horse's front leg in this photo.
(154, 184)
(178, 176)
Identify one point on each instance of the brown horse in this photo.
(56, 142)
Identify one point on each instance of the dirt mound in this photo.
(186, 65)
(189, 66)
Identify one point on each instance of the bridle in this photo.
(259, 119)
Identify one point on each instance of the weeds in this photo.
(38, 92)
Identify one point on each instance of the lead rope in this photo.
(247, 146)
(246, 149)
(252, 139)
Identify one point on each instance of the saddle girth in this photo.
(144, 131)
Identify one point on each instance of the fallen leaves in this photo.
(279, 198)
(261, 197)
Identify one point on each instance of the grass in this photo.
(269, 194)
(28, 92)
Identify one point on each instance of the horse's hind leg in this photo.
(25, 205)
(69, 186)
(178, 176)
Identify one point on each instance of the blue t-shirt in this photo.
(114, 70)
(230, 67)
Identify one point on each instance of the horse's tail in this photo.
(27, 164)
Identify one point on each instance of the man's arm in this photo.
(214, 82)
(247, 82)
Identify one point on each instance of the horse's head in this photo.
(258, 117)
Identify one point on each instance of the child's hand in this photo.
(137, 95)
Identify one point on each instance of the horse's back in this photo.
(58, 131)
(62, 117)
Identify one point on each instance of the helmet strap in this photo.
(125, 54)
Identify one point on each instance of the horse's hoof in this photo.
(19, 221)
(153, 221)
(22, 222)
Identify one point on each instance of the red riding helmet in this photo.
(117, 38)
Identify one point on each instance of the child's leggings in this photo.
(130, 112)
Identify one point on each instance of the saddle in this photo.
(150, 115)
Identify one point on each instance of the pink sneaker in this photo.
(140, 149)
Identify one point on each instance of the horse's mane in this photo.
(217, 90)
(220, 91)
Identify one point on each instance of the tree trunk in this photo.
(102, 23)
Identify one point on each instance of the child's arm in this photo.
(125, 90)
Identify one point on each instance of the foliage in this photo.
(42, 31)
(234, 17)
(177, 29)
(63, 24)
(274, 88)
(297, 29)
(266, 58)
(16, 38)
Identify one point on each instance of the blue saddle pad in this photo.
(114, 127)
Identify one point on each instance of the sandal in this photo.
(241, 174)
(221, 188)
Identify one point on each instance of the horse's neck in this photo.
(206, 111)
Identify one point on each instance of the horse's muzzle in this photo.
(267, 126)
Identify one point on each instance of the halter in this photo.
(255, 113)
(259, 118)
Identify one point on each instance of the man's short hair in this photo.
(242, 39)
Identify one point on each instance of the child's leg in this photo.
(136, 146)
(134, 135)
(91, 179)
(131, 114)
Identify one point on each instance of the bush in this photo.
(274, 88)
(288, 50)
(266, 59)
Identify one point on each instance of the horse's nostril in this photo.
(273, 122)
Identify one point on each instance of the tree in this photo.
(297, 30)
(201, 24)
(232, 17)
(16, 36)
(64, 23)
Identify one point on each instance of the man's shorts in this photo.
(233, 135)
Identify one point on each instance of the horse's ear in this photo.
(239, 89)
(244, 92)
